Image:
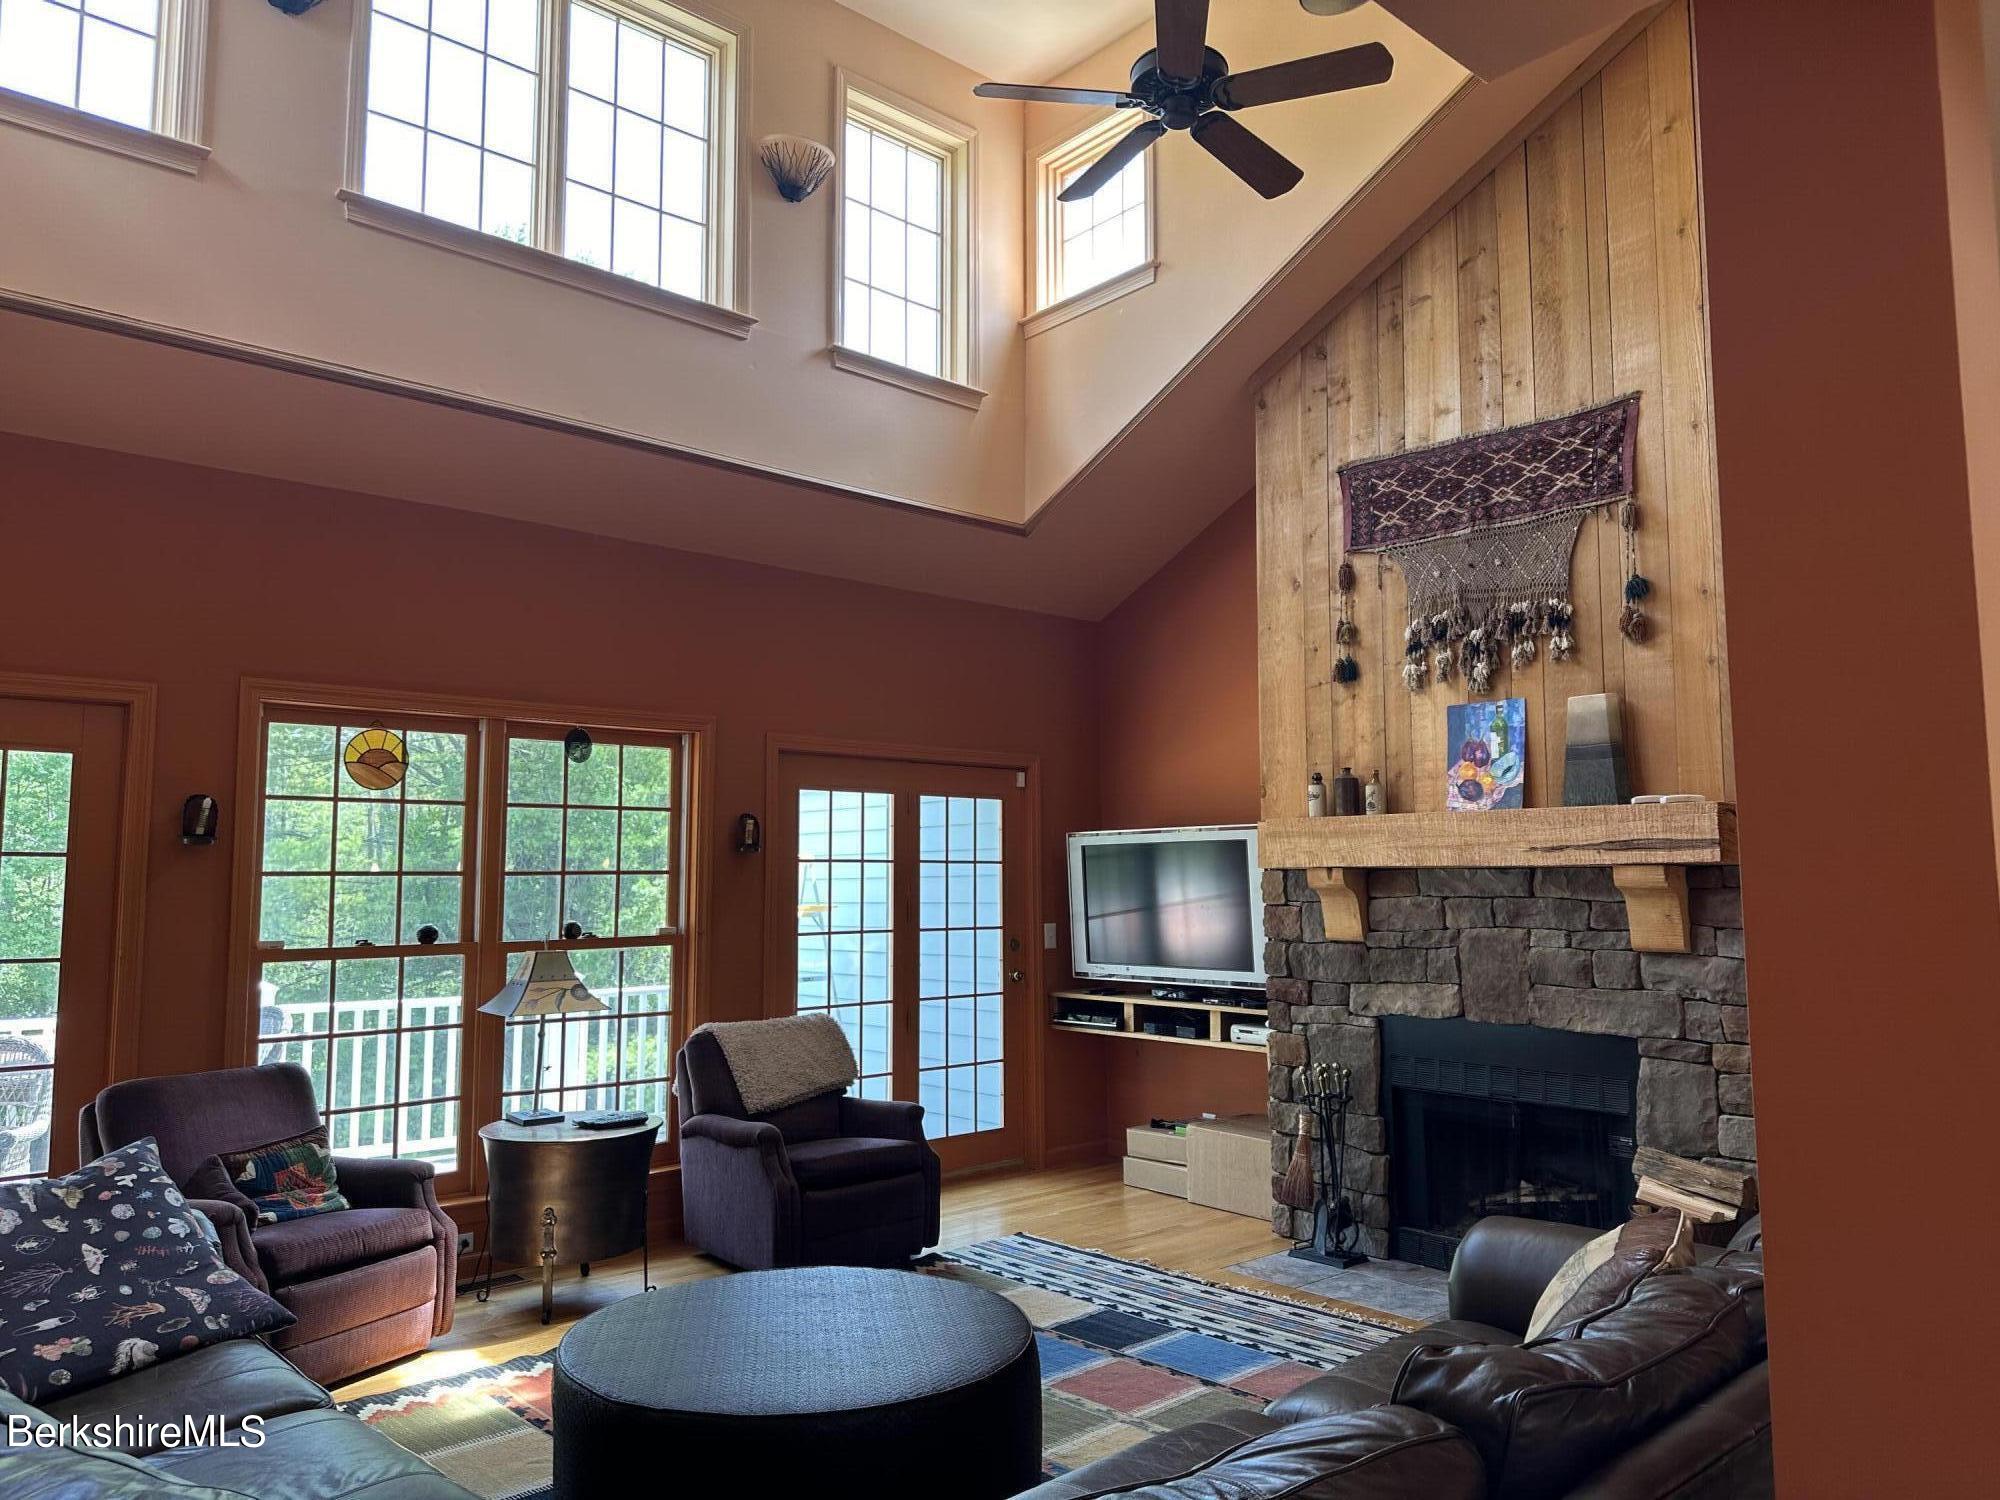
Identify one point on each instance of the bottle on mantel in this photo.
(1316, 796)
(1347, 794)
(1372, 799)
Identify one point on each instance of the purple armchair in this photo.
(368, 1284)
(829, 1181)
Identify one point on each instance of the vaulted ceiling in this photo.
(1019, 41)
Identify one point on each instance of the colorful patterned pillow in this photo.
(105, 1271)
(287, 1179)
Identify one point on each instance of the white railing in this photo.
(369, 1067)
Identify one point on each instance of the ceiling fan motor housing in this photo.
(1177, 102)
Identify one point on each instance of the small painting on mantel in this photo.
(1487, 751)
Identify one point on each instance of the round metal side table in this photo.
(560, 1194)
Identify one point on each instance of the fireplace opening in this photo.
(1517, 1120)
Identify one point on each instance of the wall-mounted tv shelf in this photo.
(1132, 1009)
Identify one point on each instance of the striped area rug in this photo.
(1127, 1350)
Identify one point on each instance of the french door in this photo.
(899, 907)
(61, 774)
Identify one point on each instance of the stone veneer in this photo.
(1515, 947)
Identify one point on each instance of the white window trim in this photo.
(727, 43)
(175, 139)
(894, 114)
(1051, 166)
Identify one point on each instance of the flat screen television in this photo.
(1167, 905)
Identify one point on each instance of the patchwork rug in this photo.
(1127, 1350)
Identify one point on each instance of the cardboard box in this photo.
(1229, 1165)
(1156, 1176)
(1156, 1145)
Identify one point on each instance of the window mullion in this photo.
(553, 134)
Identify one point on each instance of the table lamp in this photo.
(545, 986)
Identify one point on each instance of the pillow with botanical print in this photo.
(287, 1179)
(105, 1271)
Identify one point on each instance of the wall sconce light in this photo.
(797, 165)
(749, 834)
(1317, 7)
(294, 7)
(199, 819)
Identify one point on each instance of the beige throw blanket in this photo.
(784, 1060)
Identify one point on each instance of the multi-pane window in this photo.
(363, 928)
(591, 862)
(1101, 236)
(452, 115)
(636, 192)
(384, 919)
(621, 174)
(34, 869)
(960, 1044)
(100, 56)
(846, 927)
(892, 260)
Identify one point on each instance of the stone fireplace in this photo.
(1568, 1048)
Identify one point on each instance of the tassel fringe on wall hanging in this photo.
(1483, 528)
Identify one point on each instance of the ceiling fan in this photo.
(1185, 84)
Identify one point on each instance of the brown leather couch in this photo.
(1665, 1395)
(369, 1284)
(310, 1450)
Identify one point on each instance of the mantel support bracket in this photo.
(1656, 904)
(1343, 902)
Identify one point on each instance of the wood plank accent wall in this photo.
(1570, 274)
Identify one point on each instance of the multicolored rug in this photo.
(1127, 1350)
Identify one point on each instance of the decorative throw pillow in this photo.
(287, 1179)
(105, 1271)
(1603, 1271)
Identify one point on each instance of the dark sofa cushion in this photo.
(243, 1378)
(1179, 1450)
(841, 1160)
(106, 1271)
(1384, 1453)
(1547, 1413)
(1600, 1274)
(321, 1244)
(1369, 1377)
(313, 1455)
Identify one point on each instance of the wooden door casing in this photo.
(907, 781)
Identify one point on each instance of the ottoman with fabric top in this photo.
(824, 1381)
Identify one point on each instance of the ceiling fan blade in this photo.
(1247, 155)
(1180, 29)
(1112, 162)
(1043, 94)
(1329, 73)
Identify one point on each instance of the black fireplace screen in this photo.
(1503, 1120)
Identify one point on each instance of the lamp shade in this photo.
(546, 985)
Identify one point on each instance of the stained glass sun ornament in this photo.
(376, 758)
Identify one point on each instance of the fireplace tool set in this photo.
(1316, 1178)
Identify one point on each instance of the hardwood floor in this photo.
(1086, 1206)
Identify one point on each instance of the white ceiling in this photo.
(1012, 41)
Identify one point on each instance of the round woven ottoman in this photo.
(814, 1381)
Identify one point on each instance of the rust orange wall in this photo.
(191, 578)
(1177, 691)
(1842, 458)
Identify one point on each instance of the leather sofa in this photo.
(311, 1450)
(369, 1284)
(1666, 1395)
(829, 1181)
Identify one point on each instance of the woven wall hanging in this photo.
(1483, 528)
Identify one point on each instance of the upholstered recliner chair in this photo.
(368, 1284)
(828, 1180)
